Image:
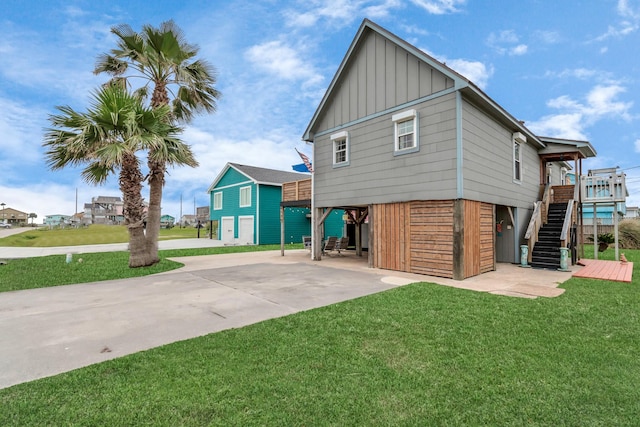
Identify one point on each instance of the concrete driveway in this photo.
(52, 330)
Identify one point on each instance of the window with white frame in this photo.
(340, 148)
(245, 197)
(517, 161)
(405, 132)
(217, 201)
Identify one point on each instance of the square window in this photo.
(245, 197)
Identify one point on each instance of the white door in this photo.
(227, 229)
(245, 230)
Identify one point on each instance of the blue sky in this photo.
(567, 68)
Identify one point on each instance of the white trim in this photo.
(232, 185)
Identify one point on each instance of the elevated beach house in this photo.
(448, 182)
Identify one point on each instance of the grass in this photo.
(422, 354)
(47, 271)
(92, 235)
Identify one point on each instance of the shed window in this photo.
(340, 148)
(217, 201)
(245, 197)
(405, 132)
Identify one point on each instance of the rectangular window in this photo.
(405, 132)
(217, 201)
(405, 135)
(517, 161)
(340, 148)
(245, 197)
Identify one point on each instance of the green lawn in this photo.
(92, 235)
(422, 354)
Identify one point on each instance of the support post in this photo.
(282, 230)
(595, 232)
(371, 237)
(458, 239)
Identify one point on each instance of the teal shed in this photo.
(244, 206)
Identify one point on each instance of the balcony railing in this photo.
(296, 190)
(603, 188)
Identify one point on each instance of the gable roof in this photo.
(260, 175)
(461, 83)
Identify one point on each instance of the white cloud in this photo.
(344, 12)
(567, 126)
(574, 116)
(520, 49)
(637, 145)
(630, 22)
(476, 71)
(282, 60)
(439, 7)
(547, 37)
(507, 42)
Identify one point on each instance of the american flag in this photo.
(306, 160)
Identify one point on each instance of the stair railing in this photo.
(539, 217)
(546, 200)
(566, 225)
(534, 227)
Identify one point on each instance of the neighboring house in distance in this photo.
(13, 216)
(202, 214)
(188, 220)
(167, 221)
(245, 207)
(632, 213)
(57, 220)
(446, 177)
(104, 210)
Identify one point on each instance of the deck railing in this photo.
(296, 190)
(603, 188)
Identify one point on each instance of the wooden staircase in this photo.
(546, 251)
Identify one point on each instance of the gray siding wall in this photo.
(488, 162)
(375, 175)
(380, 76)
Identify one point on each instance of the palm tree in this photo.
(106, 139)
(166, 62)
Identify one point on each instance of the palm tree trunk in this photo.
(156, 184)
(133, 211)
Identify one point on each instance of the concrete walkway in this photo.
(18, 252)
(52, 330)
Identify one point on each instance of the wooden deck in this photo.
(605, 270)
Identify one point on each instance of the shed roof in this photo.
(261, 175)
